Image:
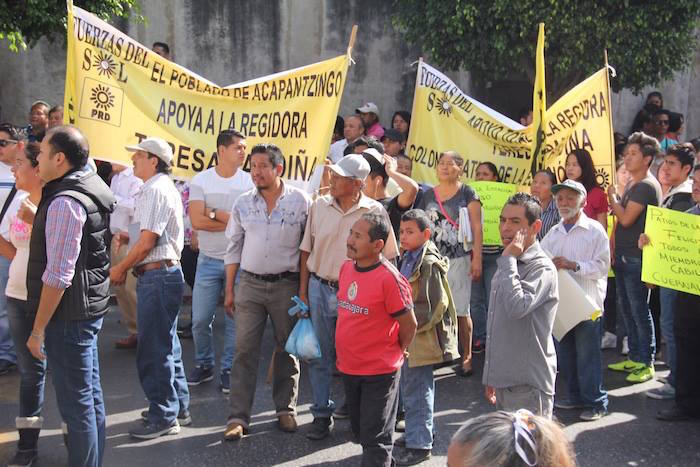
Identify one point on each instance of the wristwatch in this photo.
(577, 268)
(212, 214)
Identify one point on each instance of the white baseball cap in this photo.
(571, 185)
(367, 108)
(156, 146)
(352, 166)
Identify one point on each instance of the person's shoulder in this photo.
(243, 177)
(202, 177)
(297, 192)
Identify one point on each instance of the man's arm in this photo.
(199, 216)
(229, 297)
(475, 221)
(7, 249)
(232, 259)
(522, 298)
(304, 275)
(408, 186)
(407, 328)
(146, 242)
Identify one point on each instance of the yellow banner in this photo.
(119, 92)
(444, 118)
(539, 101)
(672, 259)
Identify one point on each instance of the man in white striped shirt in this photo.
(580, 245)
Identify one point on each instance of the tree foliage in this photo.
(24, 22)
(647, 41)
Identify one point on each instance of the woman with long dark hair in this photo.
(579, 167)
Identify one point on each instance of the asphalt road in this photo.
(629, 436)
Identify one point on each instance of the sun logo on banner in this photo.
(102, 97)
(443, 105)
(602, 177)
(105, 64)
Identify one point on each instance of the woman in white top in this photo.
(14, 245)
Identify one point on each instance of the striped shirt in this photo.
(65, 219)
(587, 244)
(159, 210)
(550, 217)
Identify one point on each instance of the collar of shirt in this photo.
(685, 187)
(364, 202)
(151, 181)
(532, 251)
(583, 222)
(257, 196)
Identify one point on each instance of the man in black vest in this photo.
(68, 285)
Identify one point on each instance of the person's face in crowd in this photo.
(484, 174)
(654, 100)
(448, 170)
(234, 153)
(541, 187)
(661, 123)
(161, 51)
(696, 186)
(373, 185)
(144, 166)
(26, 176)
(525, 121)
(673, 171)
(341, 187)
(398, 123)
(622, 176)
(360, 246)
(512, 220)
(49, 163)
(39, 117)
(360, 148)
(410, 236)
(391, 147)
(635, 161)
(368, 118)
(352, 128)
(404, 166)
(573, 170)
(7, 148)
(262, 171)
(569, 203)
(56, 118)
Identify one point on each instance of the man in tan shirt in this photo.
(323, 251)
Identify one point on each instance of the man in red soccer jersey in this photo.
(375, 326)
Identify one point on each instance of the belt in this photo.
(272, 277)
(167, 263)
(331, 284)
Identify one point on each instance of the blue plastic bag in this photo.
(302, 341)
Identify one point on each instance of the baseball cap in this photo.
(352, 166)
(156, 146)
(394, 135)
(367, 108)
(374, 154)
(571, 185)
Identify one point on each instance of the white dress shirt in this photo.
(124, 185)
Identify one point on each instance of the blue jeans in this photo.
(324, 314)
(481, 289)
(32, 372)
(668, 304)
(633, 307)
(71, 349)
(159, 355)
(208, 284)
(7, 348)
(418, 390)
(580, 364)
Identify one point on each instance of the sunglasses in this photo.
(7, 142)
(661, 122)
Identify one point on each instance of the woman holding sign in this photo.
(579, 168)
(442, 205)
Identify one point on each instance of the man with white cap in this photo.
(370, 116)
(580, 245)
(157, 238)
(323, 251)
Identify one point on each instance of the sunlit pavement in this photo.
(629, 436)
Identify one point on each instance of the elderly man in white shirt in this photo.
(580, 245)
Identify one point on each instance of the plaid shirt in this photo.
(65, 219)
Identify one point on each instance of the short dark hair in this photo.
(683, 153)
(662, 112)
(533, 210)
(648, 145)
(696, 143)
(378, 226)
(31, 151)
(40, 103)
(675, 121)
(70, 141)
(374, 143)
(15, 133)
(419, 217)
(376, 168)
(274, 154)
(56, 108)
(549, 174)
(403, 156)
(492, 168)
(656, 94)
(339, 124)
(161, 166)
(162, 45)
(350, 148)
(585, 161)
(226, 137)
(524, 112)
(404, 114)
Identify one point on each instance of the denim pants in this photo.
(208, 284)
(580, 364)
(7, 348)
(159, 355)
(633, 307)
(32, 372)
(481, 290)
(418, 391)
(668, 304)
(324, 314)
(71, 349)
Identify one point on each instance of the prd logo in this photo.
(101, 101)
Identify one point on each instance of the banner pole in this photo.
(613, 169)
(351, 43)
(411, 128)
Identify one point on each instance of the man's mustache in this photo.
(351, 248)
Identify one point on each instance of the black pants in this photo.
(687, 333)
(372, 403)
(610, 315)
(188, 260)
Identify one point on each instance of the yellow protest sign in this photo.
(493, 197)
(672, 260)
(119, 92)
(539, 100)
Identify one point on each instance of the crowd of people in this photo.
(395, 276)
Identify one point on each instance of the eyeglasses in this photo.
(525, 444)
(661, 122)
(7, 142)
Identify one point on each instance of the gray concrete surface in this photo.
(629, 436)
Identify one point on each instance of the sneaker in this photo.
(23, 458)
(674, 414)
(185, 332)
(200, 374)
(320, 428)
(234, 431)
(626, 365)
(128, 342)
(567, 404)
(225, 381)
(664, 392)
(641, 375)
(479, 346)
(6, 366)
(287, 423)
(152, 430)
(408, 456)
(341, 412)
(593, 415)
(662, 379)
(625, 347)
(609, 341)
(183, 418)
